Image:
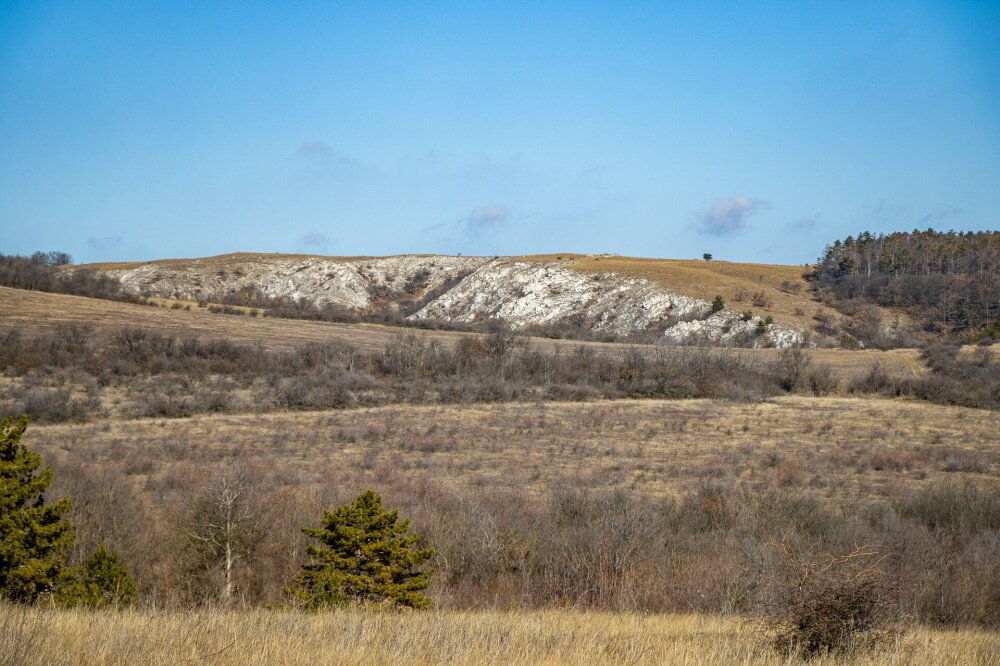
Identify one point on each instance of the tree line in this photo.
(948, 280)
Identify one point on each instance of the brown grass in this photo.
(706, 279)
(846, 447)
(40, 636)
(34, 312)
(218, 260)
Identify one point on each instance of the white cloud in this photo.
(728, 215)
(482, 221)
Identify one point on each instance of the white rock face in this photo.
(467, 289)
(352, 284)
(525, 293)
(728, 328)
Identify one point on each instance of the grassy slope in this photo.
(217, 260)
(849, 447)
(229, 260)
(37, 636)
(33, 312)
(700, 279)
(707, 279)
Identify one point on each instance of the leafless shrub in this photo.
(876, 380)
(760, 299)
(826, 324)
(791, 287)
(51, 404)
(793, 366)
(829, 604)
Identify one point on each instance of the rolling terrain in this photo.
(764, 305)
(670, 507)
(686, 515)
(33, 312)
(853, 448)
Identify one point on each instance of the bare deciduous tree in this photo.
(224, 522)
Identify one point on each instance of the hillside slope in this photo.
(34, 313)
(606, 294)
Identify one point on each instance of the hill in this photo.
(35, 312)
(603, 295)
(949, 282)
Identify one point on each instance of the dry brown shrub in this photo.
(829, 604)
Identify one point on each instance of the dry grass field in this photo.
(484, 482)
(36, 636)
(789, 300)
(835, 447)
(33, 312)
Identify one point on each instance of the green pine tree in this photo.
(33, 535)
(104, 581)
(718, 304)
(364, 556)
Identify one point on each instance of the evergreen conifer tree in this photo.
(364, 556)
(104, 581)
(33, 535)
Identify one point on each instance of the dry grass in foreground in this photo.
(38, 636)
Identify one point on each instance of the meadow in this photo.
(567, 501)
(33, 636)
(38, 313)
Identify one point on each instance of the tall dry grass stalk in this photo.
(45, 636)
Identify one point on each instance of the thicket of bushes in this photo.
(829, 573)
(40, 272)
(966, 379)
(73, 373)
(721, 547)
(365, 555)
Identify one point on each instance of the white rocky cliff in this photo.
(464, 289)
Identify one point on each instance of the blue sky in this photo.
(755, 131)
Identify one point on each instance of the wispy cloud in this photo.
(939, 214)
(314, 240)
(104, 243)
(803, 223)
(485, 220)
(315, 148)
(729, 215)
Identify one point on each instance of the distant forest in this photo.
(949, 281)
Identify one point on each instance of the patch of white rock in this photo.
(526, 293)
(348, 283)
(522, 293)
